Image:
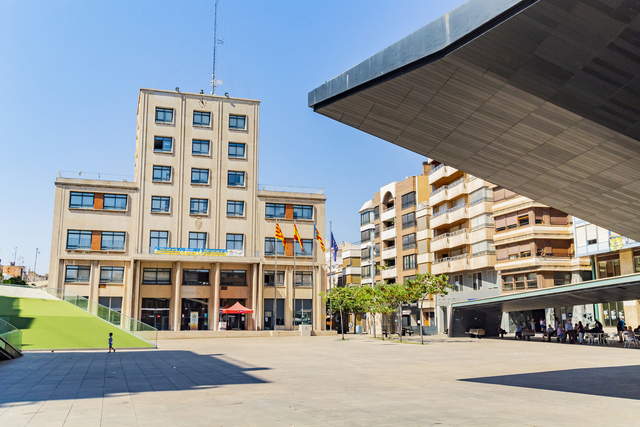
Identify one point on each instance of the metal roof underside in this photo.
(540, 97)
(622, 288)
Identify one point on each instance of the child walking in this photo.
(111, 343)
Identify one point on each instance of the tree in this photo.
(427, 286)
(394, 295)
(15, 281)
(343, 299)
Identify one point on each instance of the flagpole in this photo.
(275, 288)
(331, 270)
(313, 272)
(294, 277)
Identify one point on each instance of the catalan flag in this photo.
(316, 233)
(296, 236)
(280, 237)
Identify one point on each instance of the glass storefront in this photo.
(303, 312)
(195, 314)
(236, 321)
(609, 268)
(155, 313)
(612, 311)
(269, 314)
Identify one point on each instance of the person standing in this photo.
(533, 325)
(543, 325)
(111, 343)
(621, 326)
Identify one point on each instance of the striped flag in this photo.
(316, 233)
(296, 236)
(280, 237)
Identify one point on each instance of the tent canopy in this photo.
(236, 308)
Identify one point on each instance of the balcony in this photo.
(480, 207)
(529, 232)
(450, 240)
(450, 216)
(441, 172)
(351, 270)
(388, 213)
(485, 259)
(425, 258)
(389, 253)
(548, 262)
(389, 273)
(438, 196)
(389, 233)
(424, 234)
(480, 233)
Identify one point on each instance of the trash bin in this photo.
(358, 329)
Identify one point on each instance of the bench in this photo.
(527, 334)
(385, 332)
(479, 333)
(407, 330)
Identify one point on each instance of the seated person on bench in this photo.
(519, 331)
(549, 333)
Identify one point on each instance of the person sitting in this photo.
(519, 331)
(560, 335)
(549, 333)
(636, 330)
(598, 328)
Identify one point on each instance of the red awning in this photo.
(236, 308)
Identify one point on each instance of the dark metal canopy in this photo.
(538, 96)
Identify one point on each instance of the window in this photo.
(409, 241)
(477, 281)
(156, 276)
(236, 122)
(111, 274)
(270, 246)
(236, 150)
(234, 241)
(270, 275)
(81, 200)
(274, 210)
(235, 179)
(523, 220)
(532, 281)
(199, 176)
(366, 218)
(307, 243)
(162, 144)
(233, 278)
(200, 118)
(303, 278)
(78, 239)
(159, 204)
(200, 147)
(409, 262)
(235, 208)
(365, 253)
(561, 278)
(303, 311)
(158, 239)
(376, 231)
(458, 283)
(112, 241)
(365, 271)
(197, 240)
(409, 200)
(302, 212)
(114, 304)
(520, 280)
(164, 115)
(612, 312)
(162, 173)
(115, 202)
(609, 268)
(507, 283)
(409, 278)
(366, 235)
(636, 264)
(408, 220)
(376, 250)
(480, 195)
(195, 277)
(199, 206)
(77, 274)
(376, 213)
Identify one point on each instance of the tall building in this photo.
(345, 270)
(193, 233)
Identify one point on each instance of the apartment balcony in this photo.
(389, 233)
(438, 196)
(389, 253)
(422, 209)
(351, 270)
(547, 262)
(389, 273)
(529, 232)
(481, 233)
(368, 226)
(424, 234)
(388, 213)
(479, 208)
(441, 173)
(464, 262)
(450, 216)
(450, 240)
(429, 303)
(514, 204)
(456, 189)
(425, 258)
(484, 259)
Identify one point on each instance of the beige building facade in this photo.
(191, 235)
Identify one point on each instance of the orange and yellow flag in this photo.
(280, 237)
(318, 238)
(296, 236)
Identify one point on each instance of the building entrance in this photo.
(195, 313)
(155, 313)
(233, 321)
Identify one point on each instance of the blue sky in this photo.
(70, 74)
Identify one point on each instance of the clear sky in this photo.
(70, 72)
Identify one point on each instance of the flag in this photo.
(316, 233)
(296, 236)
(279, 236)
(334, 246)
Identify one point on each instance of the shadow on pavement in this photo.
(616, 381)
(85, 375)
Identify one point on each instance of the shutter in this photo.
(513, 249)
(525, 247)
(501, 221)
(539, 216)
(581, 236)
(592, 232)
(557, 217)
(498, 194)
(512, 219)
(502, 254)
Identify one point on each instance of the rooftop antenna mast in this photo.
(216, 42)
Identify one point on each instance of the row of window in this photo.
(458, 282)
(278, 210)
(198, 176)
(78, 200)
(81, 239)
(271, 244)
(164, 144)
(200, 118)
(160, 239)
(161, 204)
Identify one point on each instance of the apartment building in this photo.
(345, 270)
(192, 234)
(611, 255)
(462, 242)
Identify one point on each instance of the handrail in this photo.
(422, 205)
(434, 192)
(455, 233)
(11, 335)
(454, 183)
(134, 327)
(389, 209)
(481, 226)
(487, 252)
(441, 165)
(451, 258)
(484, 199)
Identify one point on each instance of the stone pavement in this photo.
(322, 381)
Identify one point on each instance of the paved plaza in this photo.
(320, 381)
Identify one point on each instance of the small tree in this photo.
(343, 299)
(395, 295)
(425, 286)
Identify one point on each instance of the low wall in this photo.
(23, 292)
(181, 335)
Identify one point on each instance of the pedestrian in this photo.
(533, 326)
(621, 326)
(543, 325)
(111, 343)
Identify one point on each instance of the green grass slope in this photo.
(55, 324)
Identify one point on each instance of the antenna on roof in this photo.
(216, 42)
